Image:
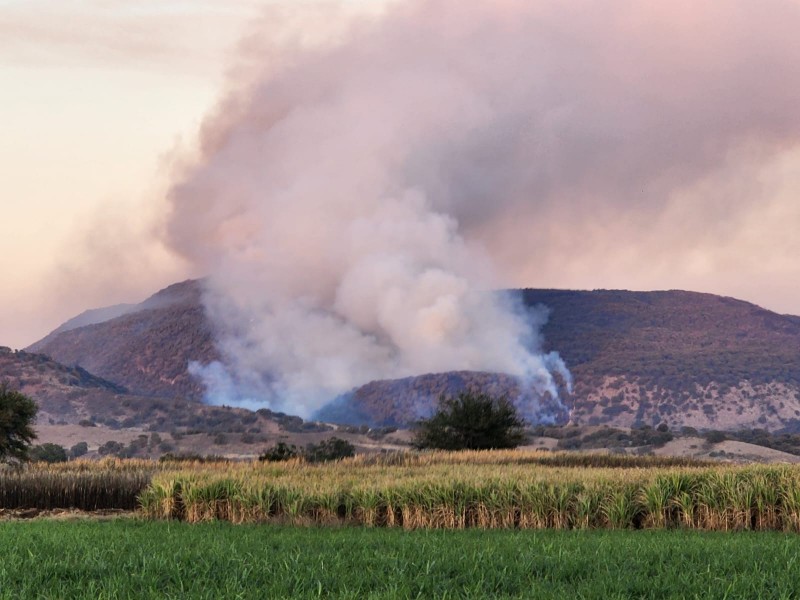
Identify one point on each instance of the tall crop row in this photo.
(447, 492)
(502, 489)
(85, 486)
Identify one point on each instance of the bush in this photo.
(110, 447)
(471, 421)
(78, 449)
(49, 453)
(279, 452)
(191, 457)
(715, 437)
(331, 449)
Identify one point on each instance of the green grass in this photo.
(138, 559)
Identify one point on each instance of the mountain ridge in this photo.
(146, 349)
(637, 358)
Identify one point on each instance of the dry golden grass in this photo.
(500, 489)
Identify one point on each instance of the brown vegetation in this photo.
(146, 350)
(638, 358)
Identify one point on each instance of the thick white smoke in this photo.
(390, 292)
(348, 196)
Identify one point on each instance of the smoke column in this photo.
(350, 194)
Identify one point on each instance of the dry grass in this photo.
(502, 489)
(84, 485)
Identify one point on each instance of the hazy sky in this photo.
(100, 99)
(96, 96)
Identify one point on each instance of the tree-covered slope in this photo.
(677, 357)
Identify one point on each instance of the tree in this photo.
(17, 413)
(111, 447)
(333, 448)
(471, 421)
(279, 452)
(79, 449)
(49, 453)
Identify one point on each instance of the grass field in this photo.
(140, 559)
(489, 490)
(458, 490)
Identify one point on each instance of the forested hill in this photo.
(641, 358)
(675, 356)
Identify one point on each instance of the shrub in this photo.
(471, 421)
(279, 452)
(331, 449)
(110, 447)
(78, 449)
(49, 453)
(192, 457)
(715, 437)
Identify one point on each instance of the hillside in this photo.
(637, 358)
(679, 357)
(400, 402)
(70, 395)
(76, 406)
(144, 347)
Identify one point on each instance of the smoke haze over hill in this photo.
(583, 144)
(353, 195)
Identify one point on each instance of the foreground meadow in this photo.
(130, 558)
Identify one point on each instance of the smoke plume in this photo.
(357, 194)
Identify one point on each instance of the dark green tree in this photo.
(17, 413)
(78, 449)
(49, 453)
(333, 448)
(279, 452)
(471, 421)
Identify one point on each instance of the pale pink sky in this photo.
(96, 97)
(100, 98)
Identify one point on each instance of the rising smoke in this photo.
(350, 196)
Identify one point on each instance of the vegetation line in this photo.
(435, 490)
